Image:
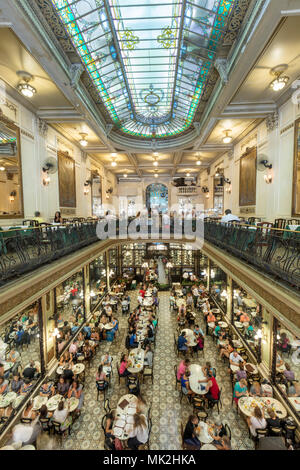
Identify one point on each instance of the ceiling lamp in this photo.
(27, 90)
(2, 168)
(198, 162)
(125, 175)
(188, 174)
(155, 163)
(155, 175)
(113, 163)
(83, 142)
(280, 81)
(227, 138)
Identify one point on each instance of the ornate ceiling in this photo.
(149, 64)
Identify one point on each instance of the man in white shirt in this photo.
(229, 217)
(235, 358)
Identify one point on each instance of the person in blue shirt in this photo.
(217, 331)
(74, 329)
(182, 342)
(198, 330)
(19, 335)
(87, 329)
(132, 340)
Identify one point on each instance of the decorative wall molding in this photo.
(248, 210)
(286, 128)
(76, 70)
(42, 127)
(272, 121)
(221, 65)
(27, 134)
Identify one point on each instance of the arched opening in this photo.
(157, 197)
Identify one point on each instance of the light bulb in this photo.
(2, 168)
(113, 163)
(125, 175)
(155, 163)
(198, 162)
(155, 175)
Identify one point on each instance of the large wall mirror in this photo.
(11, 193)
(97, 209)
(296, 185)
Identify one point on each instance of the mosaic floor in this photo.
(166, 412)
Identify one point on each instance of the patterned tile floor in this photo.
(167, 412)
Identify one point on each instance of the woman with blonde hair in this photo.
(140, 433)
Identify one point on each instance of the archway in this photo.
(157, 197)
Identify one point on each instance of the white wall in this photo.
(35, 149)
(277, 146)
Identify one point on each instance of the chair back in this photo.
(261, 432)
(275, 431)
(26, 420)
(106, 405)
(280, 223)
(228, 431)
(57, 427)
(100, 385)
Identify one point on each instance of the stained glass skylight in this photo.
(149, 59)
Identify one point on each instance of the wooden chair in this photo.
(176, 380)
(217, 402)
(56, 426)
(228, 431)
(281, 224)
(26, 420)
(120, 376)
(45, 423)
(107, 408)
(101, 387)
(148, 372)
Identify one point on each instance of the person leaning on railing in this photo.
(229, 217)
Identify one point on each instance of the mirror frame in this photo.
(294, 206)
(11, 125)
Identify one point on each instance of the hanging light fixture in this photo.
(155, 175)
(83, 142)
(125, 175)
(227, 138)
(2, 168)
(280, 81)
(24, 88)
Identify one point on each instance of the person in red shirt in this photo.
(212, 388)
(142, 293)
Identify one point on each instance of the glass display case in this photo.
(98, 280)
(20, 356)
(70, 307)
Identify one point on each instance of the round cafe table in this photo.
(222, 324)
(215, 310)
(196, 375)
(38, 402)
(6, 400)
(8, 366)
(123, 423)
(247, 405)
(136, 359)
(191, 339)
(203, 434)
(254, 371)
(208, 447)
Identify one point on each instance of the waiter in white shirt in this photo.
(229, 217)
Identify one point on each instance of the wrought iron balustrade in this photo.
(275, 252)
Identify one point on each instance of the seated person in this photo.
(241, 373)
(200, 343)
(87, 350)
(133, 341)
(3, 385)
(182, 368)
(235, 359)
(66, 358)
(244, 318)
(217, 331)
(185, 383)
(279, 361)
(62, 415)
(217, 431)
(28, 411)
(294, 390)
(182, 342)
(75, 390)
(123, 366)
(31, 371)
(101, 376)
(198, 331)
(74, 328)
(95, 336)
(257, 421)
(62, 387)
(140, 433)
(148, 357)
(288, 373)
(240, 390)
(227, 350)
(26, 387)
(47, 390)
(255, 390)
(210, 318)
(189, 435)
(16, 383)
(273, 421)
(207, 369)
(212, 388)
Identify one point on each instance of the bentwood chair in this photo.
(183, 444)
(176, 380)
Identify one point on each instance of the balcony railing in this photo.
(276, 252)
(187, 190)
(273, 251)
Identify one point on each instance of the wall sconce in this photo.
(12, 196)
(268, 178)
(86, 188)
(207, 195)
(46, 178)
